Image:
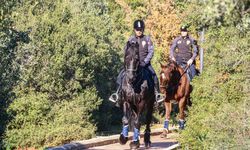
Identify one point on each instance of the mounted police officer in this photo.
(146, 52)
(184, 51)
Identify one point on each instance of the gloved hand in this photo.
(143, 64)
(173, 59)
(190, 61)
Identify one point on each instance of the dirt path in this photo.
(157, 143)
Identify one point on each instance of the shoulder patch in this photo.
(148, 40)
(143, 43)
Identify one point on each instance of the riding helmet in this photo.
(139, 25)
(184, 28)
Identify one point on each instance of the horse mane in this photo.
(132, 45)
(171, 64)
(131, 52)
(171, 67)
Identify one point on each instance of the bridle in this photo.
(133, 70)
(132, 85)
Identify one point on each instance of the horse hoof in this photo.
(122, 139)
(147, 145)
(164, 134)
(181, 124)
(134, 145)
(147, 141)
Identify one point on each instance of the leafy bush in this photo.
(39, 122)
(68, 64)
(219, 116)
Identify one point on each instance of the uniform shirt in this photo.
(146, 48)
(181, 49)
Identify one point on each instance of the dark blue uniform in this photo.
(181, 50)
(146, 52)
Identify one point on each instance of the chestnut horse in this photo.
(174, 84)
(137, 95)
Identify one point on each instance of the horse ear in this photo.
(128, 44)
(161, 65)
(174, 62)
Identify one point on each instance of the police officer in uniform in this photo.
(184, 51)
(146, 52)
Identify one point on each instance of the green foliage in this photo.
(66, 66)
(6, 9)
(218, 13)
(64, 56)
(39, 122)
(219, 116)
(56, 77)
(135, 3)
(9, 40)
(212, 121)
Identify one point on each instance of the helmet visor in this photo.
(139, 29)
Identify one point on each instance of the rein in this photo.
(185, 70)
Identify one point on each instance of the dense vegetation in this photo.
(219, 118)
(59, 61)
(54, 77)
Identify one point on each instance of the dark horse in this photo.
(137, 94)
(174, 84)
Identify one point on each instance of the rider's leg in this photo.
(159, 98)
(182, 64)
(192, 71)
(115, 97)
(120, 77)
(156, 82)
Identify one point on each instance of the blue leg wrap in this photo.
(166, 124)
(125, 131)
(181, 124)
(136, 136)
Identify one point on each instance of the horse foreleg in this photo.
(168, 109)
(125, 128)
(149, 114)
(182, 104)
(135, 144)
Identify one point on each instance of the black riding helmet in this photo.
(184, 28)
(139, 25)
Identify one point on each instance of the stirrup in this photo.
(114, 98)
(159, 97)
